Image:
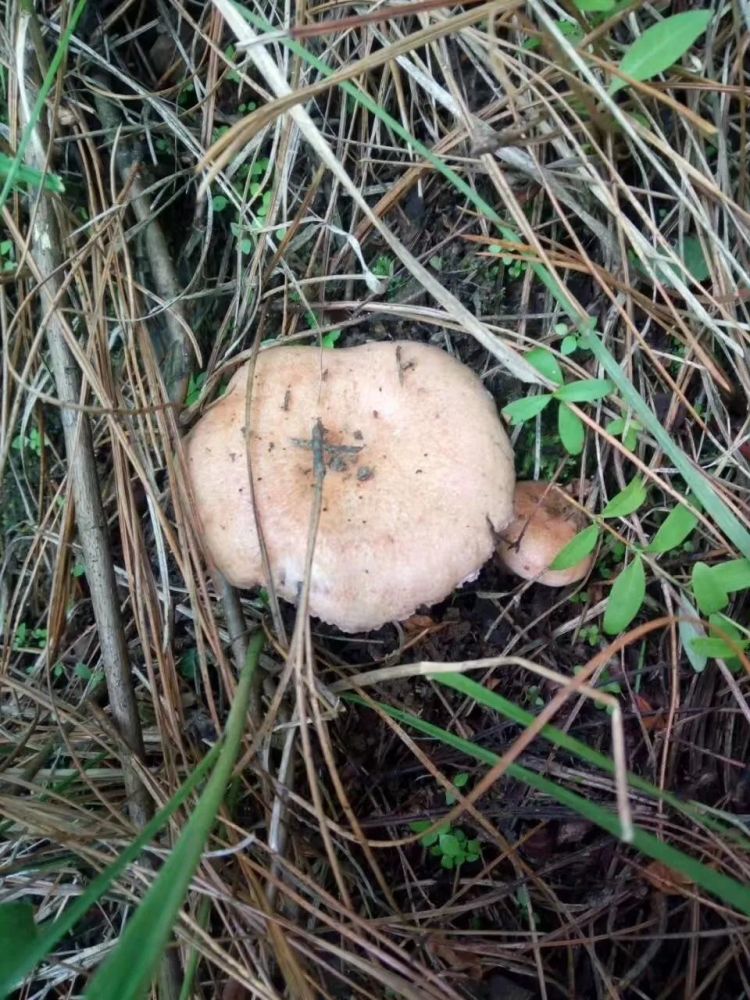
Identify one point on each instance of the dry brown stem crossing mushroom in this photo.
(418, 485)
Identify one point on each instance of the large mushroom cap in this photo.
(419, 473)
(545, 522)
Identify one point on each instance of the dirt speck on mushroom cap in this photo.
(419, 471)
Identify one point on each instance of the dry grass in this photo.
(320, 217)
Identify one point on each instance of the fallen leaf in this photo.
(652, 719)
(665, 879)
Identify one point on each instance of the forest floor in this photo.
(573, 177)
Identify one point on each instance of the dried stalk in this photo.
(46, 260)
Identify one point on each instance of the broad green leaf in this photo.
(568, 345)
(586, 391)
(545, 362)
(627, 501)
(628, 428)
(431, 839)
(719, 623)
(577, 548)
(521, 410)
(673, 531)
(694, 259)
(717, 648)
(419, 826)
(732, 575)
(689, 632)
(19, 934)
(595, 6)
(709, 593)
(29, 176)
(570, 429)
(727, 632)
(450, 845)
(710, 499)
(626, 598)
(661, 45)
(692, 256)
(129, 968)
(329, 340)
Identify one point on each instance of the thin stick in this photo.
(46, 260)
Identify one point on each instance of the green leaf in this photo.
(724, 629)
(418, 826)
(595, 6)
(586, 391)
(429, 839)
(627, 501)
(521, 410)
(448, 861)
(689, 632)
(52, 932)
(661, 45)
(628, 428)
(626, 598)
(219, 202)
(717, 648)
(329, 340)
(709, 594)
(545, 362)
(23, 175)
(577, 548)
(694, 259)
(459, 780)
(129, 968)
(568, 345)
(733, 527)
(732, 575)
(19, 934)
(570, 428)
(450, 845)
(676, 527)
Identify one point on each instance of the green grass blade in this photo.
(128, 971)
(709, 498)
(722, 886)
(509, 710)
(61, 51)
(22, 174)
(21, 963)
(364, 99)
(496, 703)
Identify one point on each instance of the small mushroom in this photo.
(418, 478)
(545, 522)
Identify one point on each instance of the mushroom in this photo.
(418, 478)
(545, 522)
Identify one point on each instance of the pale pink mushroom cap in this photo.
(419, 473)
(544, 524)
